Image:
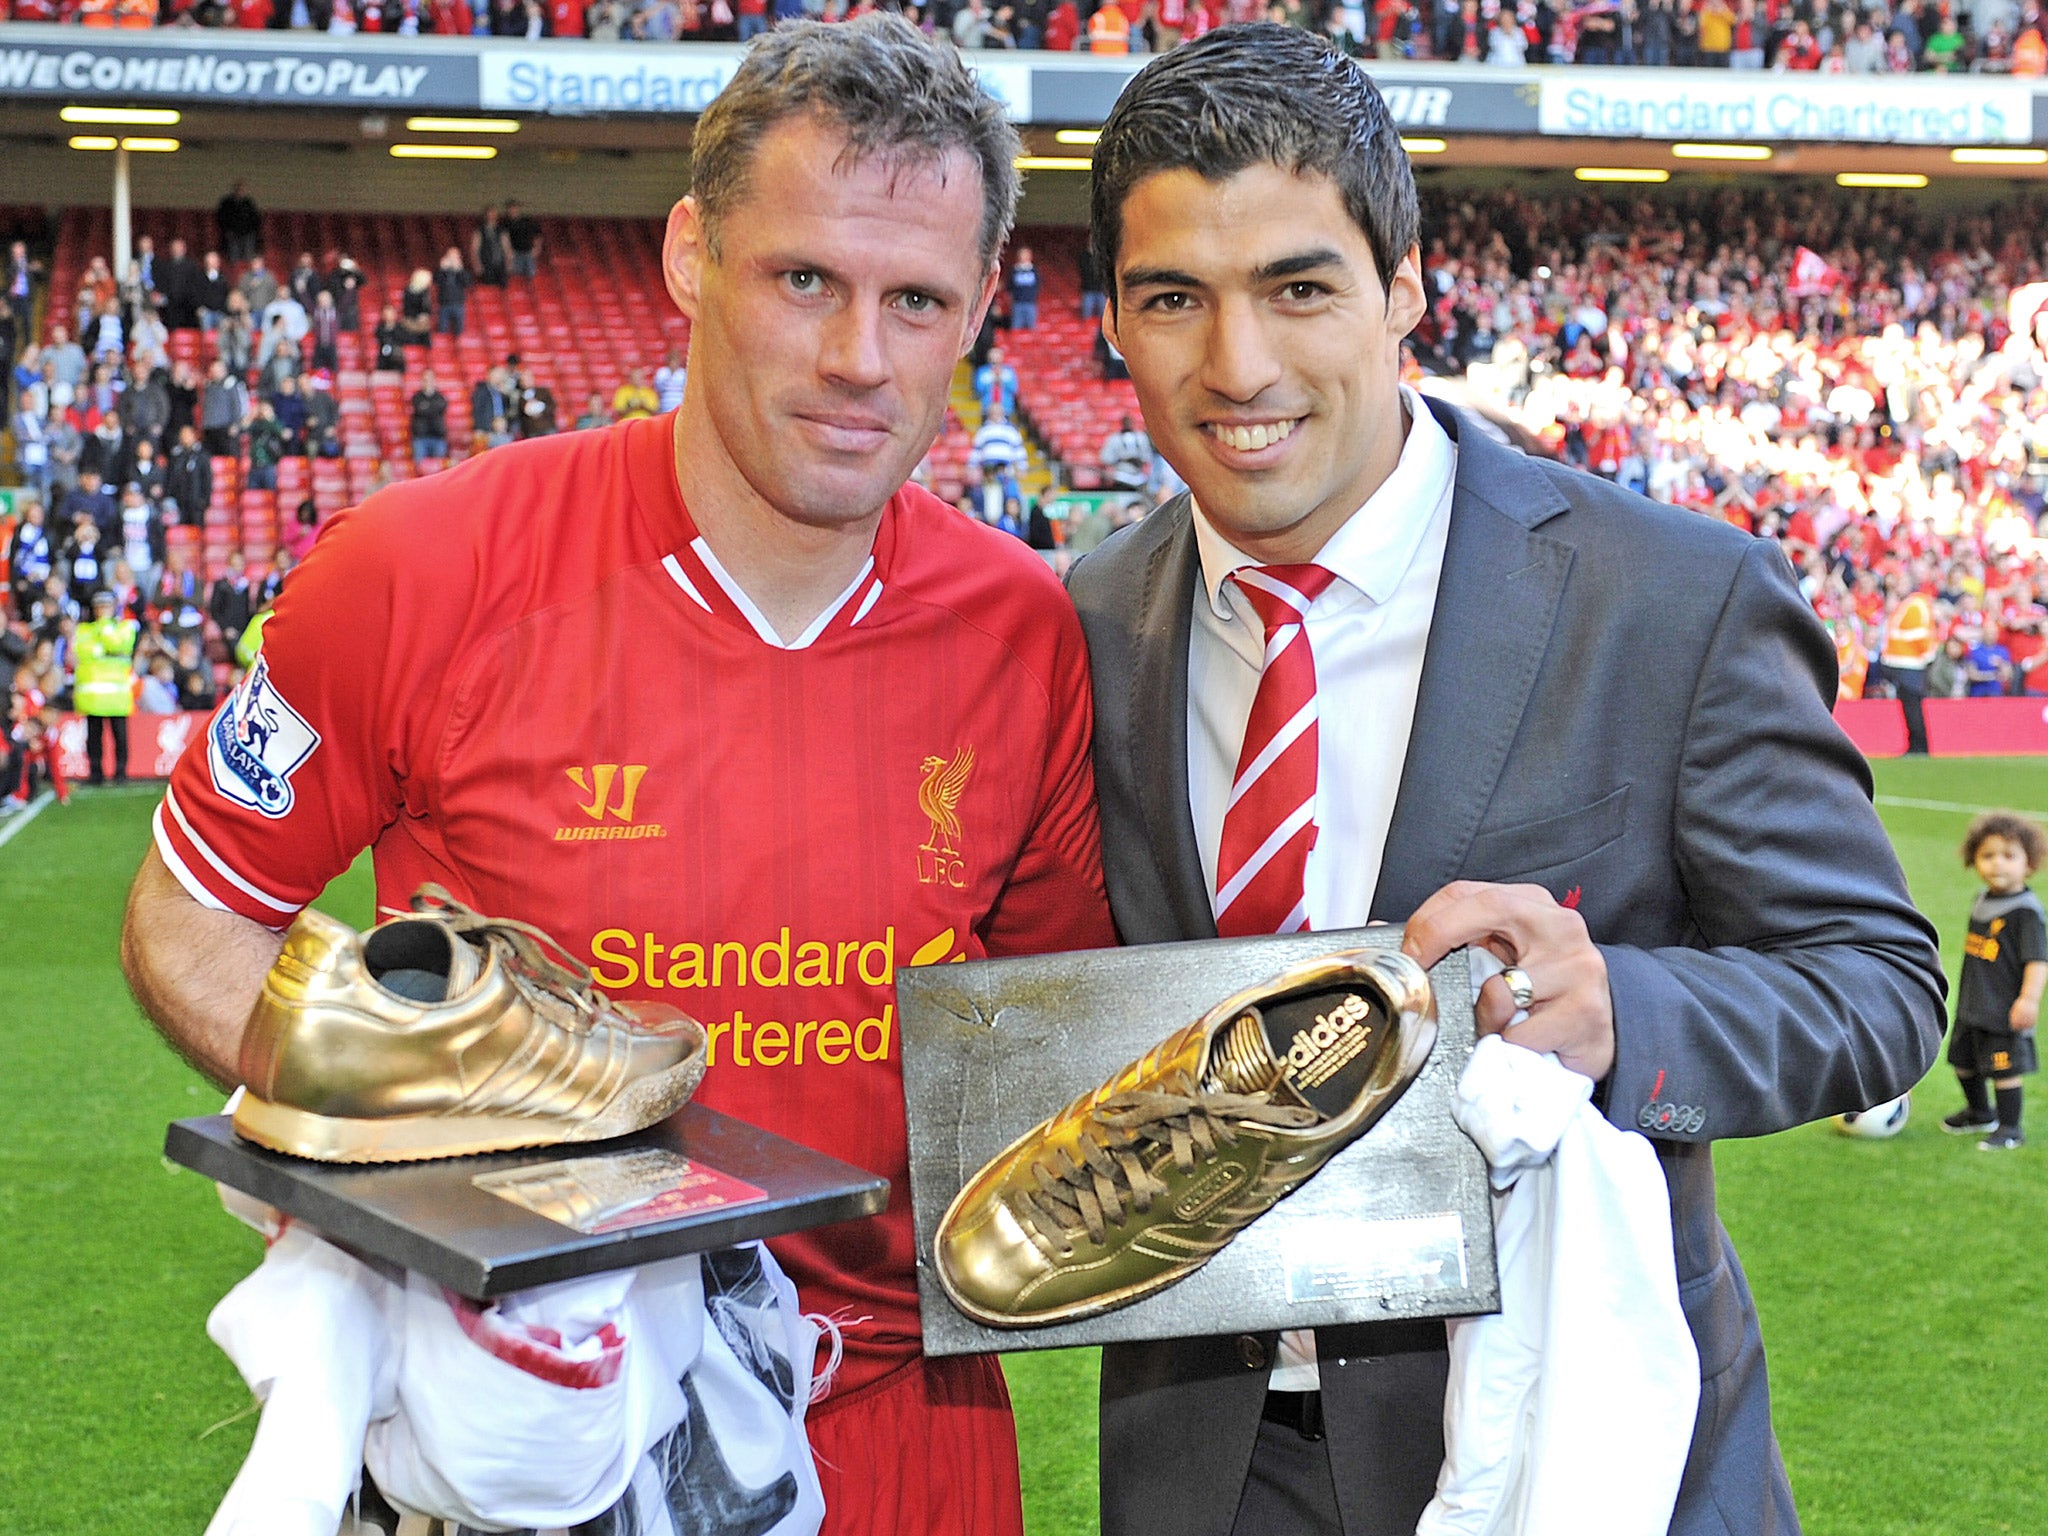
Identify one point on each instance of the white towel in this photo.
(306, 1332)
(540, 1412)
(533, 1412)
(1571, 1410)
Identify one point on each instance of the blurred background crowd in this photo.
(1864, 37)
(1859, 377)
(179, 439)
(1852, 375)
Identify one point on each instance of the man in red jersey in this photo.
(680, 692)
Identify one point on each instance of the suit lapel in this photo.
(1496, 604)
(1159, 719)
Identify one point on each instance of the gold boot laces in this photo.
(1087, 1196)
(537, 963)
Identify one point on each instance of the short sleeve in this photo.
(2030, 935)
(303, 765)
(1055, 898)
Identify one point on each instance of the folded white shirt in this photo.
(540, 1412)
(1571, 1410)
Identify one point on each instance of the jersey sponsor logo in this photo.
(257, 742)
(610, 790)
(938, 796)
(634, 964)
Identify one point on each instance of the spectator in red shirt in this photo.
(1800, 50)
(2019, 631)
(1386, 20)
(1583, 362)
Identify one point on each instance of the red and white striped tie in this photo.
(1269, 822)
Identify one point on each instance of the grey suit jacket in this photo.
(1629, 705)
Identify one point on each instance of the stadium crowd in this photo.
(1864, 379)
(116, 444)
(1857, 37)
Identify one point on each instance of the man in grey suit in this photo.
(1585, 732)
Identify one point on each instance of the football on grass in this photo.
(1876, 1122)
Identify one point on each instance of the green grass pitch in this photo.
(1901, 1282)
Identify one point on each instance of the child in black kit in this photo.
(2005, 968)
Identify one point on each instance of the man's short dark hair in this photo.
(1259, 94)
(894, 91)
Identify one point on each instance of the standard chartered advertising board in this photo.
(1757, 104)
(572, 78)
(596, 77)
(1035, 88)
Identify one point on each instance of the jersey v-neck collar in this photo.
(703, 579)
(690, 567)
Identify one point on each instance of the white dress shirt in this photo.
(1368, 632)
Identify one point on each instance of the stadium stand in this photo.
(1861, 378)
(1061, 389)
(576, 337)
(1837, 371)
(1992, 36)
(572, 335)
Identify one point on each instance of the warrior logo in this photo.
(256, 743)
(598, 783)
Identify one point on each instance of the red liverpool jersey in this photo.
(530, 680)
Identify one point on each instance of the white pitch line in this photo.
(23, 818)
(1948, 805)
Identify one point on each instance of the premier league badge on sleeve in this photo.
(256, 743)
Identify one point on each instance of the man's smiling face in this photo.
(827, 325)
(1264, 347)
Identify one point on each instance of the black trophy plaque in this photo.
(1398, 1225)
(699, 1180)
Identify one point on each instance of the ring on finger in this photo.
(1520, 987)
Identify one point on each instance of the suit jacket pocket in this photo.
(1553, 840)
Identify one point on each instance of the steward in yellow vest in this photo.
(104, 689)
(252, 640)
